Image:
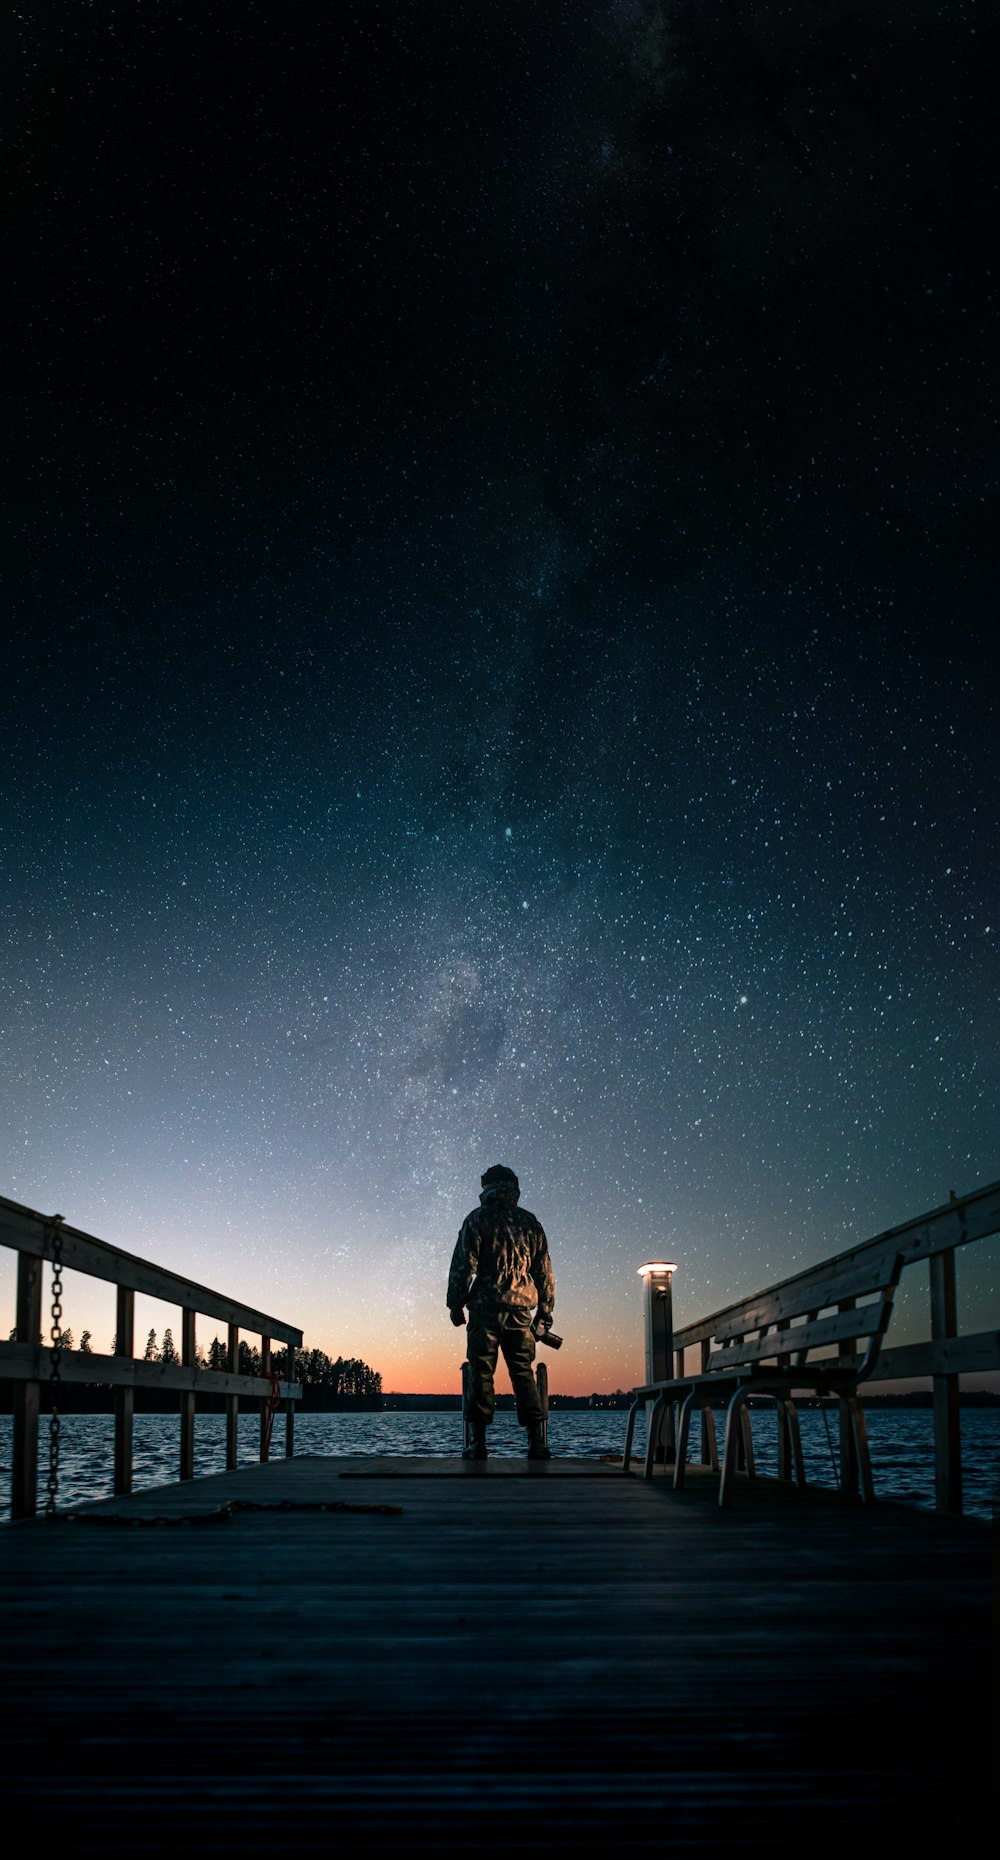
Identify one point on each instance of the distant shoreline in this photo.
(916, 1398)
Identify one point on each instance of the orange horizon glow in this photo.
(439, 1371)
(600, 1353)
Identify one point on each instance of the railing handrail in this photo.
(28, 1231)
(968, 1217)
(26, 1362)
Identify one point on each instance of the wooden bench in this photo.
(818, 1334)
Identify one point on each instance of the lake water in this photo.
(901, 1444)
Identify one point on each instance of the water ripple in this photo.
(902, 1445)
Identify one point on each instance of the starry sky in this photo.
(502, 642)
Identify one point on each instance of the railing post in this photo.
(848, 1444)
(124, 1397)
(658, 1279)
(187, 1395)
(233, 1401)
(265, 1370)
(290, 1405)
(947, 1419)
(783, 1426)
(709, 1450)
(24, 1494)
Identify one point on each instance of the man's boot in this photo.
(477, 1448)
(537, 1450)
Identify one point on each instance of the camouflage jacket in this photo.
(501, 1257)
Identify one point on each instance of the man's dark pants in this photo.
(489, 1332)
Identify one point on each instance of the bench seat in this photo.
(817, 1335)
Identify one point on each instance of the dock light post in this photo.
(658, 1278)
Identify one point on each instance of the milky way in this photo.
(503, 641)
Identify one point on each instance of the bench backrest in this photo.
(788, 1326)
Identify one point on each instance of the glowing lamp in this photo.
(657, 1277)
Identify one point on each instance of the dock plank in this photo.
(520, 1652)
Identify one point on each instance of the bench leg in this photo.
(848, 1447)
(629, 1435)
(669, 1431)
(795, 1440)
(784, 1438)
(864, 1457)
(731, 1450)
(746, 1443)
(653, 1437)
(709, 1446)
(683, 1430)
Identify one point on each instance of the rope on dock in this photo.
(223, 1513)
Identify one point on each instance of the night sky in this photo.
(501, 565)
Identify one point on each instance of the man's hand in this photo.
(542, 1324)
(457, 1315)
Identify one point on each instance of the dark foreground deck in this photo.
(509, 1656)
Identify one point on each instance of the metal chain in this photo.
(55, 1374)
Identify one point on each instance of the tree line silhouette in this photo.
(327, 1382)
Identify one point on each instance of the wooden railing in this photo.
(38, 1237)
(944, 1355)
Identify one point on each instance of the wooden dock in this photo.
(479, 1656)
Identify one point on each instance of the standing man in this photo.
(501, 1269)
